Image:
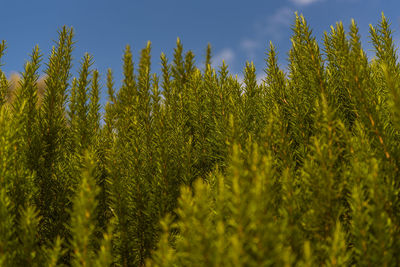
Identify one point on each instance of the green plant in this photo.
(191, 167)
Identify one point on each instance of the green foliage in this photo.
(7, 245)
(191, 167)
(3, 79)
(30, 253)
(81, 123)
(83, 221)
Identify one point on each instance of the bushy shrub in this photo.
(190, 167)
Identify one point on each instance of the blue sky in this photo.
(237, 30)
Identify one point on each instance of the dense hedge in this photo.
(194, 168)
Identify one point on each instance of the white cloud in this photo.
(275, 25)
(239, 77)
(250, 46)
(304, 2)
(226, 54)
(260, 78)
